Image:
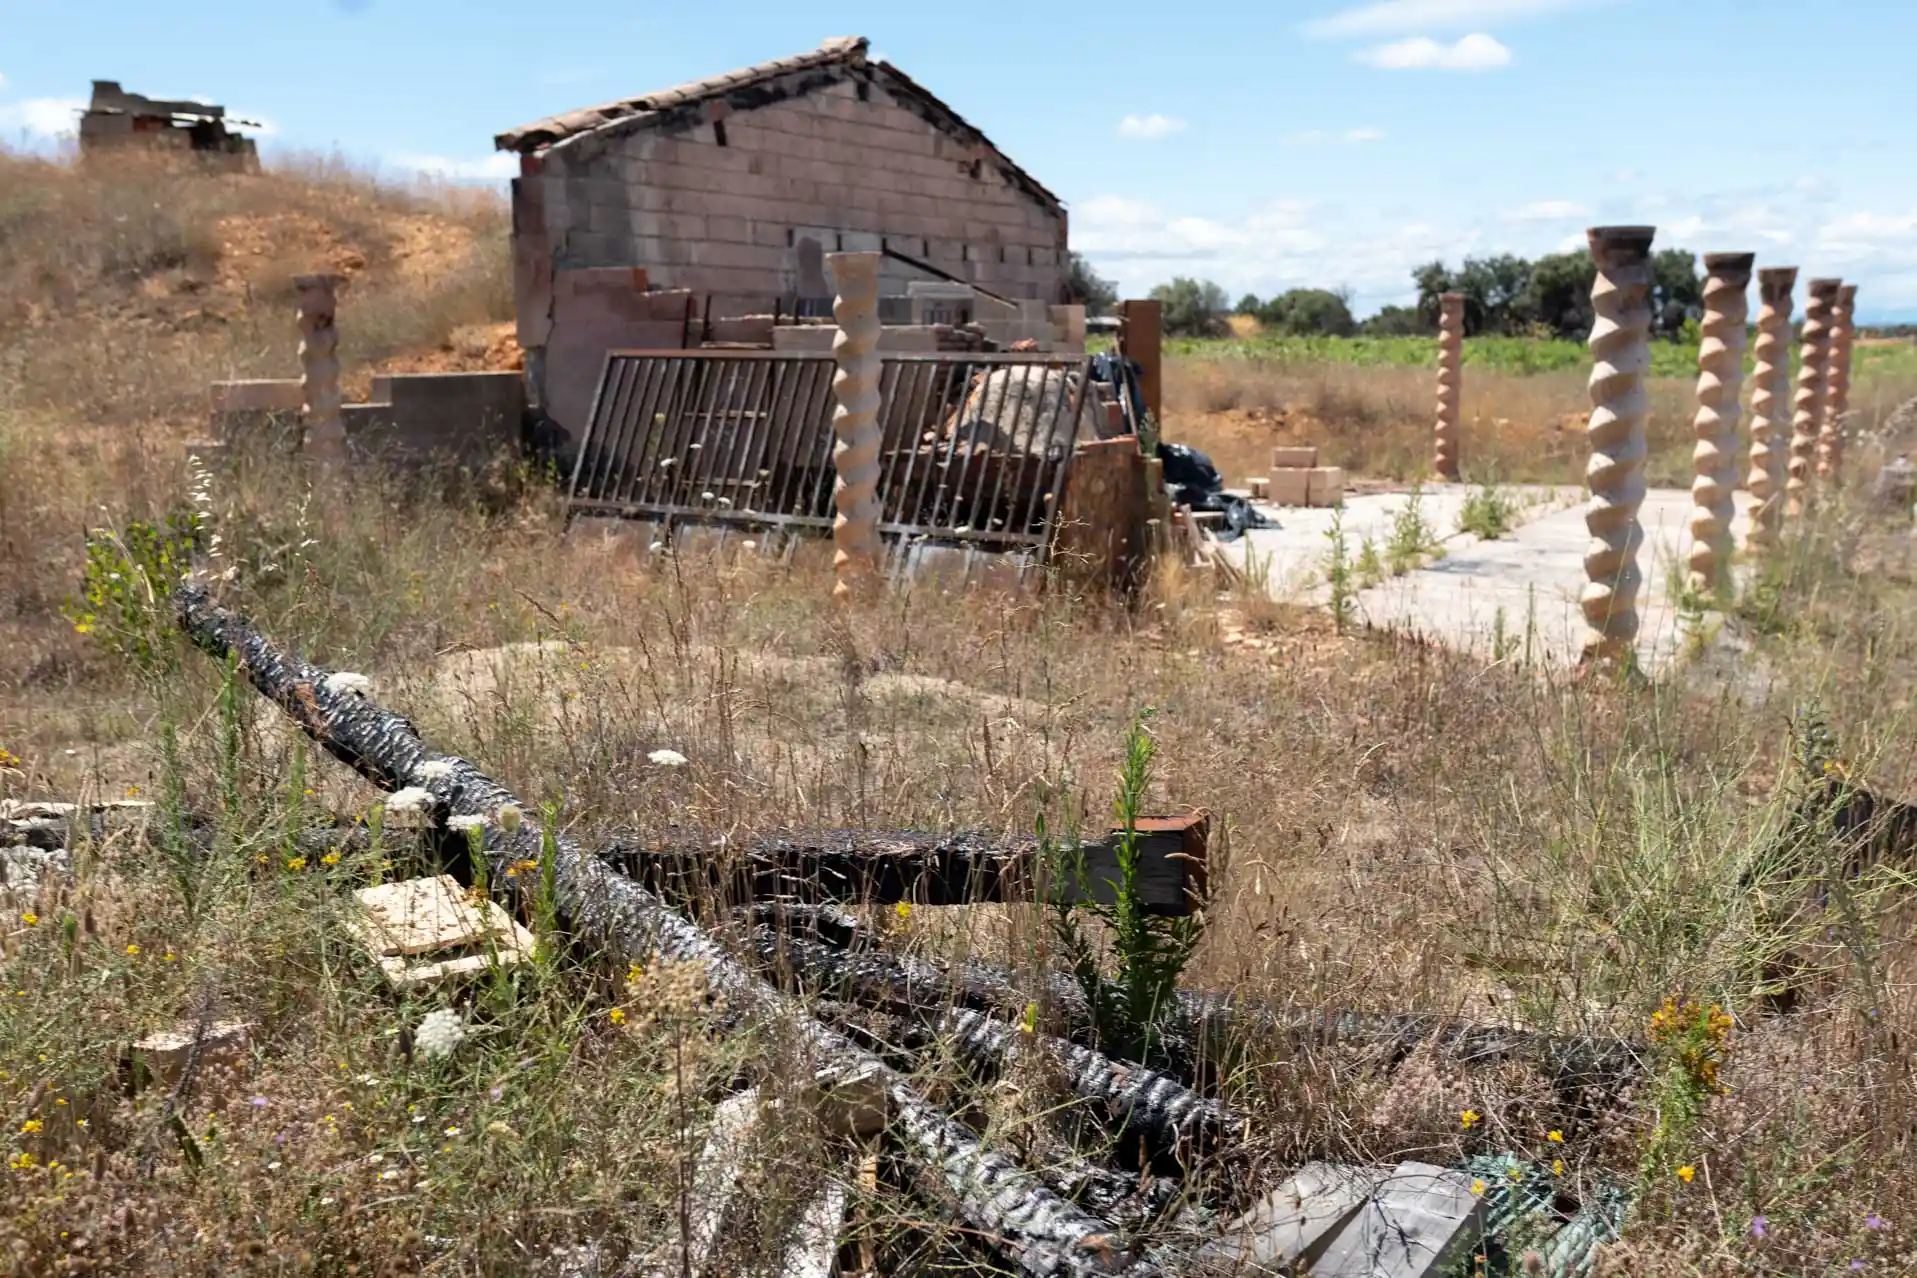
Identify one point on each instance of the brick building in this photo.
(735, 187)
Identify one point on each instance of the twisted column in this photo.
(320, 396)
(1769, 395)
(1813, 363)
(855, 422)
(1720, 375)
(1450, 371)
(1621, 355)
(1830, 440)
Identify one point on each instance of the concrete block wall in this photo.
(828, 167)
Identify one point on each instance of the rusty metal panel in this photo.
(973, 453)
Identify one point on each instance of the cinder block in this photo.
(1260, 488)
(1326, 486)
(1290, 487)
(1294, 457)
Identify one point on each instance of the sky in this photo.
(1261, 145)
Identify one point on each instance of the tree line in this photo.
(1504, 295)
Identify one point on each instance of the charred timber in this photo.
(1207, 1029)
(1168, 1117)
(881, 868)
(606, 911)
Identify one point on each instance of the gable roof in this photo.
(840, 58)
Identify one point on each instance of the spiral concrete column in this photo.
(1770, 394)
(1807, 411)
(1450, 373)
(1830, 439)
(1720, 376)
(320, 396)
(1621, 356)
(855, 422)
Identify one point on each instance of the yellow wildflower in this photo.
(1029, 1023)
(1469, 1119)
(903, 909)
(296, 863)
(1557, 1167)
(31, 1127)
(1555, 1137)
(1477, 1187)
(1685, 1173)
(331, 858)
(168, 957)
(20, 1161)
(132, 949)
(31, 920)
(617, 1016)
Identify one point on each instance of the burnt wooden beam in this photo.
(1172, 1120)
(1208, 1028)
(871, 867)
(611, 914)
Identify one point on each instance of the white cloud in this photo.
(1285, 244)
(1149, 126)
(41, 119)
(1403, 17)
(496, 167)
(1476, 52)
(1318, 137)
(1545, 211)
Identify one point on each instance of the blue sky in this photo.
(1261, 145)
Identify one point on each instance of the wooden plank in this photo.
(1418, 1224)
(1292, 1223)
(715, 1179)
(880, 868)
(814, 1252)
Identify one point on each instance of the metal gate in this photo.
(973, 447)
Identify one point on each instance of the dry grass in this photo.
(1398, 829)
(1376, 420)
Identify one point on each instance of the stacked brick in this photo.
(1296, 479)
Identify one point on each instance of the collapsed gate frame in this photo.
(743, 439)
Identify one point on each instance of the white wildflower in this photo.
(656, 547)
(436, 769)
(668, 758)
(509, 817)
(708, 495)
(463, 823)
(439, 1034)
(342, 682)
(410, 799)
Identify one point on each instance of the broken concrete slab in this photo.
(1418, 1223)
(1292, 1224)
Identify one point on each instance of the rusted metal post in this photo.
(1769, 395)
(1808, 410)
(1720, 375)
(1830, 440)
(1450, 373)
(1621, 355)
(855, 422)
(320, 396)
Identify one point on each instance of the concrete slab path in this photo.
(1518, 594)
